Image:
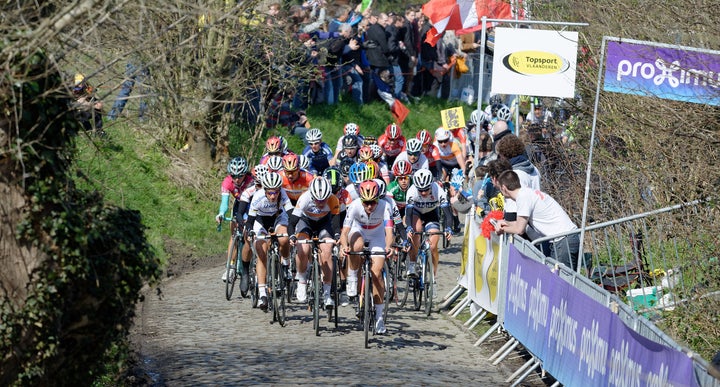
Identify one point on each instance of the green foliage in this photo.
(92, 258)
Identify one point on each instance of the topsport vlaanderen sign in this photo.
(534, 62)
(664, 71)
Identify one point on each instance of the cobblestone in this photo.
(188, 334)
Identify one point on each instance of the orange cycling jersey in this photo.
(296, 188)
(309, 208)
(448, 153)
(459, 134)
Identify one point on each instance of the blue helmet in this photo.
(358, 173)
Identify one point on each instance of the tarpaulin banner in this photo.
(534, 62)
(580, 341)
(670, 72)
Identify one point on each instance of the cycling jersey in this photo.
(394, 191)
(352, 192)
(296, 188)
(229, 187)
(264, 158)
(308, 208)
(432, 154)
(421, 163)
(319, 161)
(394, 149)
(339, 146)
(424, 204)
(261, 206)
(372, 227)
(460, 135)
(344, 198)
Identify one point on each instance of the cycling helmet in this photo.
(345, 165)
(402, 168)
(424, 137)
(381, 187)
(272, 180)
(369, 140)
(273, 145)
(414, 146)
(376, 151)
(373, 169)
(422, 179)
(259, 171)
(442, 134)
(313, 135)
(283, 144)
(503, 113)
(304, 162)
(274, 163)
(351, 128)
(358, 173)
(290, 162)
(320, 188)
(350, 141)
(369, 191)
(237, 166)
(365, 153)
(393, 131)
(334, 177)
(496, 99)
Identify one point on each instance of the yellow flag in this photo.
(453, 118)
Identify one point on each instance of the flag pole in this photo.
(483, 35)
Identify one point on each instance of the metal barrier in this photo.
(634, 269)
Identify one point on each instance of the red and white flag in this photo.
(462, 16)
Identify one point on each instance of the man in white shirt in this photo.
(539, 210)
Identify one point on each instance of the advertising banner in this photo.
(670, 72)
(483, 258)
(534, 62)
(580, 341)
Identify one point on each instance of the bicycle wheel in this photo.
(387, 281)
(428, 281)
(400, 285)
(418, 283)
(291, 285)
(317, 289)
(279, 299)
(334, 292)
(253, 284)
(272, 260)
(443, 227)
(231, 267)
(367, 314)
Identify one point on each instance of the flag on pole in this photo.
(462, 16)
(399, 111)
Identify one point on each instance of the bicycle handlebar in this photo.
(367, 252)
(269, 236)
(315, 240)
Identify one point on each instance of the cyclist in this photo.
(413, 155)
(392, 143)
(315, 214)
(345, 170)
(397, 219)
(336, 178)
(451, 155)
(350, 144)
(274, 146)
(304, 163)
(368, 219)
(295, 180)
(274, 163)
(365, 153)
(377, 154)
(431, 152)
(233, 185)
(398, 188)
(350, 129)
(424, 199)
(268, 209)
(318, 153)
(358, 173)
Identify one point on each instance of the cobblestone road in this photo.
(190, 335)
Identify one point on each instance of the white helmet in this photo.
(414, 146)
(313, 135)
(237, 166)
(381, 187)
(477, 117)
(275, 163)
(442, 134)
(376, 151)
(422, 179)
(351, 128)
(304, 162)
(320, 188)
(272, 180)
(260, 171)
(503, 113)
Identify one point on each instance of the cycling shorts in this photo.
(376, 239)
(322, 229)
(264, 223)
(430, 219)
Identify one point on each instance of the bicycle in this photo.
(366, 305)
(397, 266)
(233, 265)
(423, 285)
(276, 281)
(315, 286)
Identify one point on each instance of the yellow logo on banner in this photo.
(535, 63)
(453, 118)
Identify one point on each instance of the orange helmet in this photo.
(373, 170)
(290, 162)
(273, 144)
(369, 191)
(365, 153)
(424, 137)
(393, 131)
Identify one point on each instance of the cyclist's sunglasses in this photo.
(370, 203)
(273, 193)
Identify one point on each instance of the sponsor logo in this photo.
(535, 63)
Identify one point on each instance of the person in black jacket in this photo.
(376, 47)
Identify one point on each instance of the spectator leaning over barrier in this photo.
(512, 149)
(539, 210)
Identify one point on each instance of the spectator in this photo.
(499, 130)
(512, 149)
(395, 49)
(376, 48)
(352, 63)
(135, 74)
(88, 109)
(407, 35)
(345, 15)
(540, 211)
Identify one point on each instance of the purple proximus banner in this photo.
(580, 341)
(670, 72)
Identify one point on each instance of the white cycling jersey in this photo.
(371, 227)
(424, 204)
(261, 206)
(421, 163)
